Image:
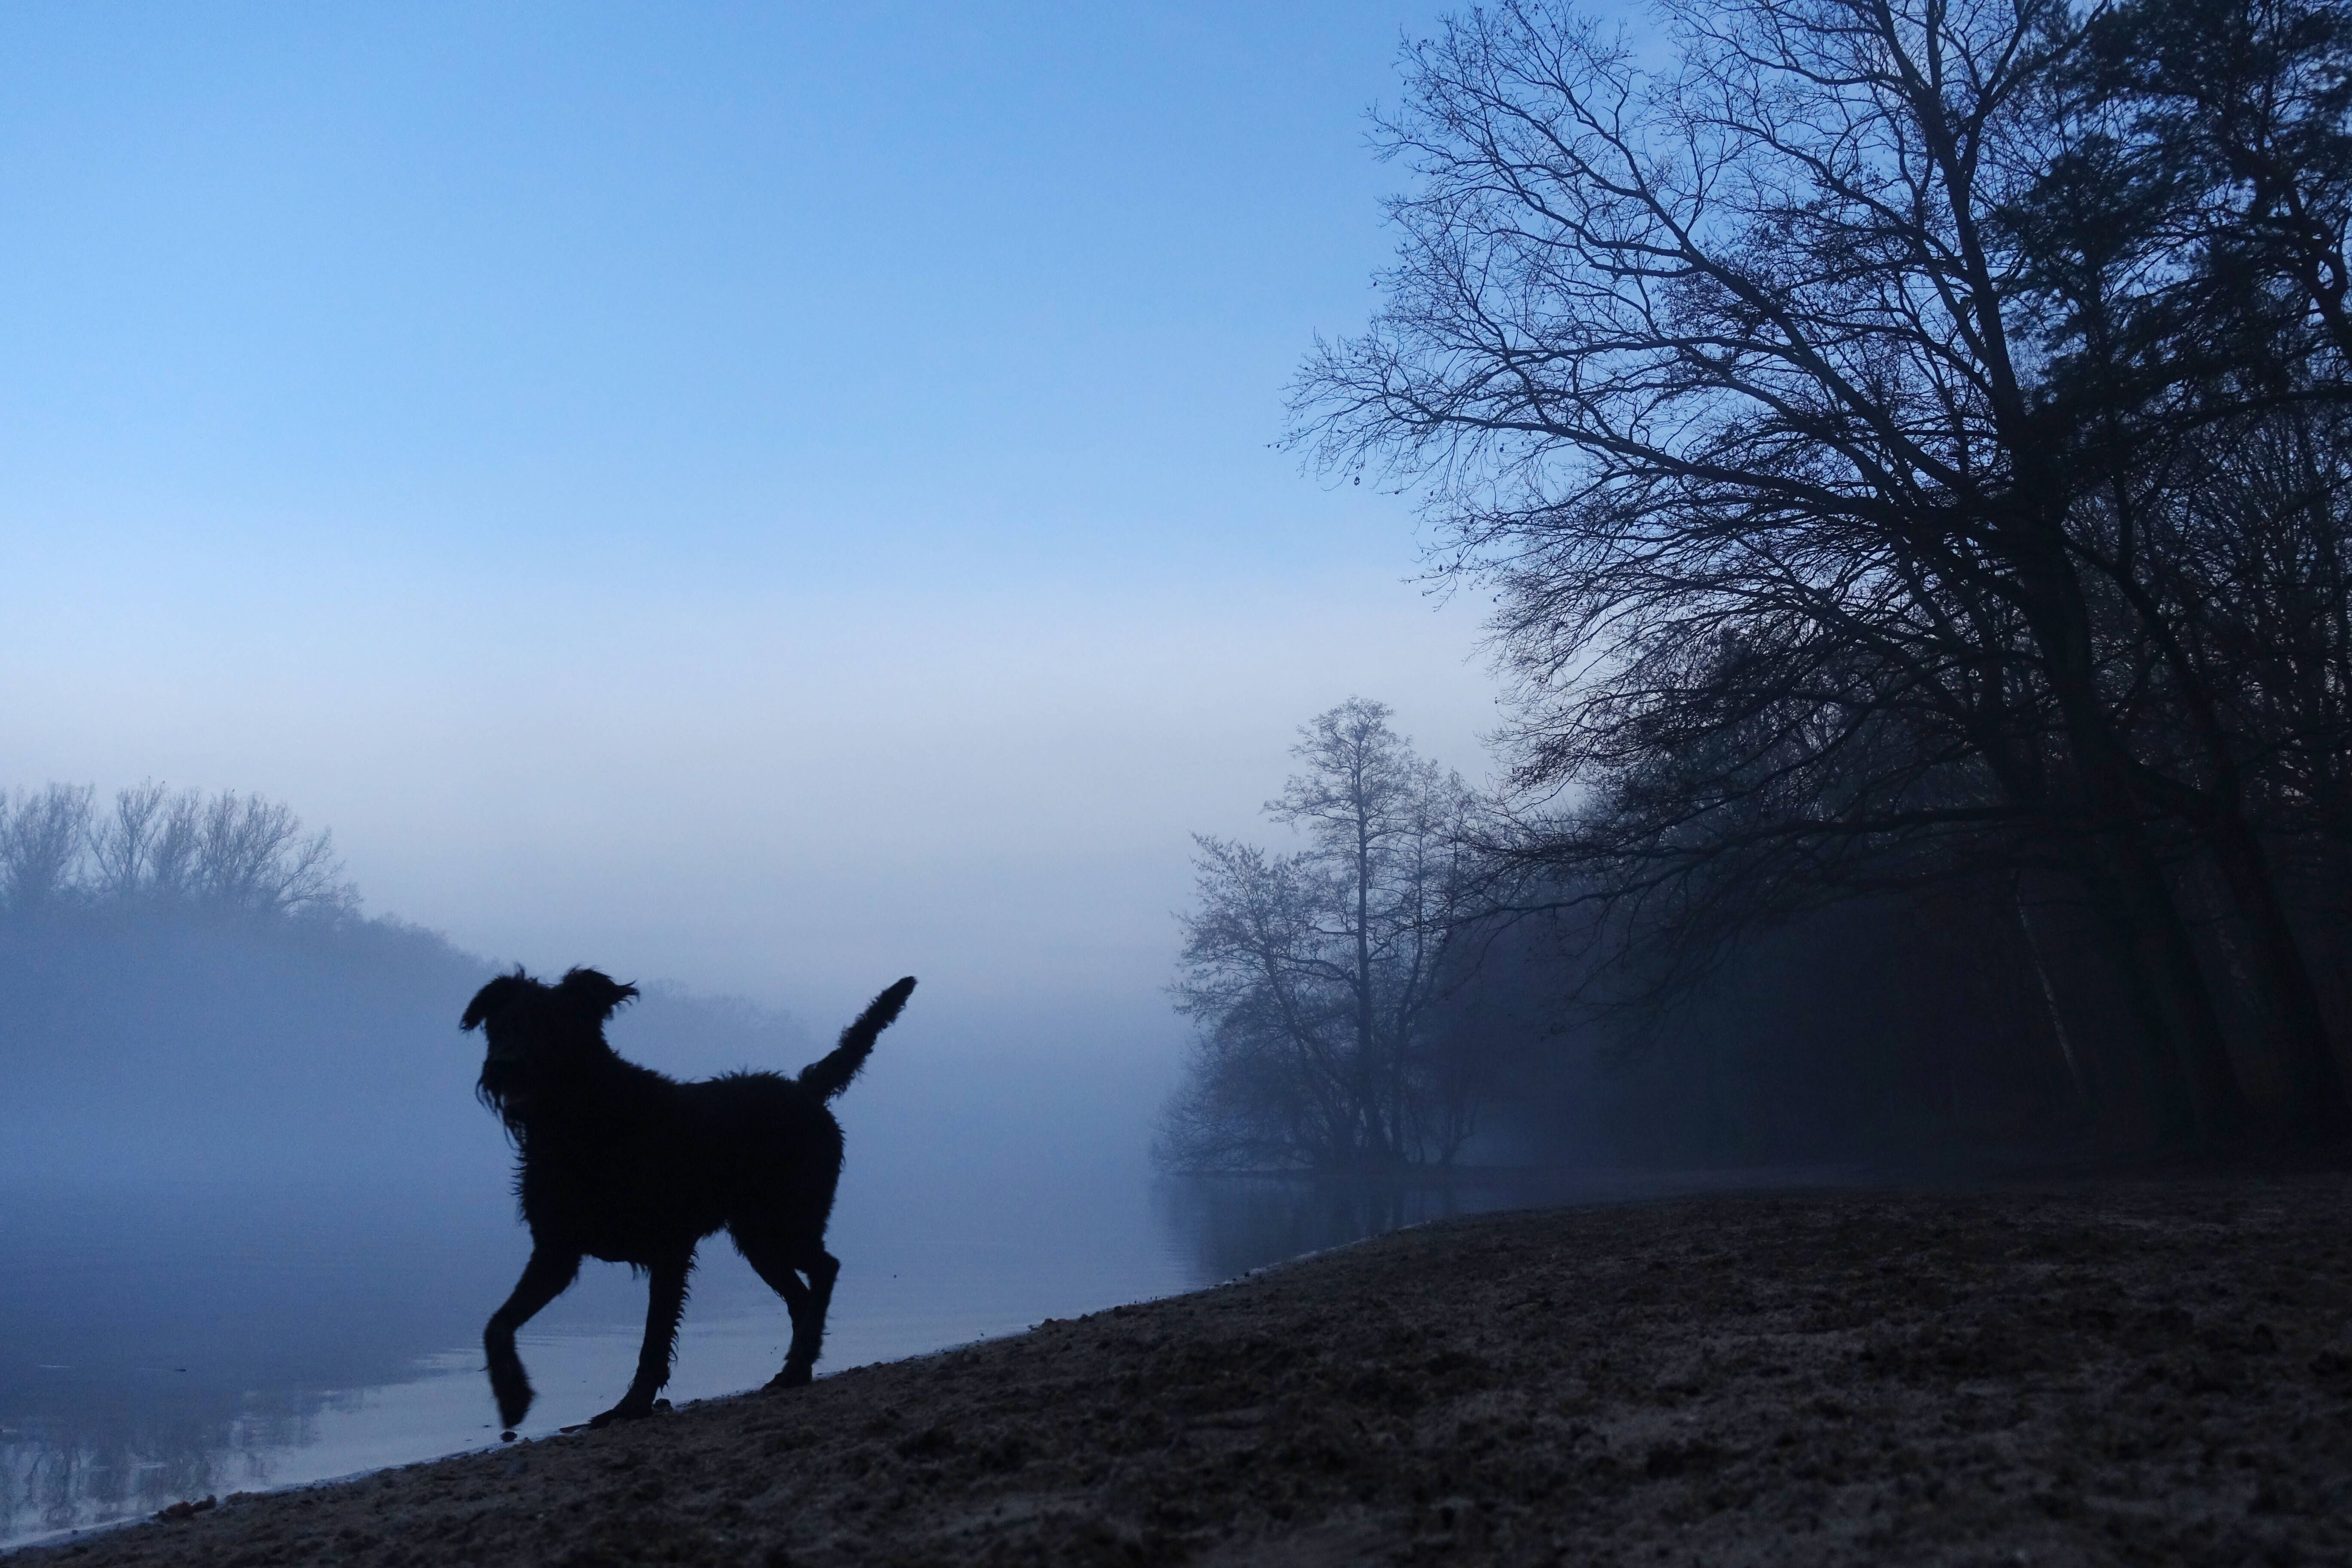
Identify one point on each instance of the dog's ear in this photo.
(595, 991)
(492, 997)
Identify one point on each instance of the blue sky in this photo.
(771, 496)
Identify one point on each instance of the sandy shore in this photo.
(2140, 1373)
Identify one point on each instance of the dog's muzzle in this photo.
(503, 1075)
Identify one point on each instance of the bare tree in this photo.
(1270, 1083)
(133, 847)
(2184, 242)
(1313, 976)
(41, 844)
(228, 851)
(1736, 375)
(252, 854)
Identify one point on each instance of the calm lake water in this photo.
(159, 1347)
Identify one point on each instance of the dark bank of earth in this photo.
(2138, 1373)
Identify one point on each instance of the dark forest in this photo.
(1909, 456)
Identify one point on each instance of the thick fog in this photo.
(684, 498)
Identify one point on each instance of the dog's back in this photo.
(766, 1141)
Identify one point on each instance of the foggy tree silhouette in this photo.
(1868, 435)
(229, 851)
(1313, 977)
(42, 841)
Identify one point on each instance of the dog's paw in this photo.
(511, 1388)
(627, 1410)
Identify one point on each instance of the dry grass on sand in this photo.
(2134, 1373)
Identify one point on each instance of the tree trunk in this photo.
(1374, 1129)
(2195, 1091)
(2197, 1097)
(2316, 1110)
(2297, 1030)
(2084, 1097)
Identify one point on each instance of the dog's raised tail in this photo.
(831, 1075)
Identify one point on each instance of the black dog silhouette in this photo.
(620, 1162)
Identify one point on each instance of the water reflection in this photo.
(59, 1474)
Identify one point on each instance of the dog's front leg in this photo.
(665, 1303)
(548, 1274)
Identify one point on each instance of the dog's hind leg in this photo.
(807, 1302)
(548, 1274)
(768, 1260)
(665, 1304)
(808, 1318)
(808, 1338)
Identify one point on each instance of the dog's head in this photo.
(538, 1032)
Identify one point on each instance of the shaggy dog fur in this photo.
(618, 1161)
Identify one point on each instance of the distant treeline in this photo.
(1909, 448)
(229, 851)
(192, 994)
